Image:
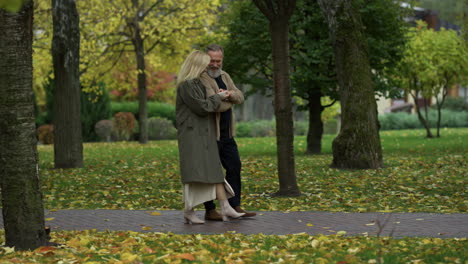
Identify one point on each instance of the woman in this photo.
(200, 167)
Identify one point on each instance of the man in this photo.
(216, 80)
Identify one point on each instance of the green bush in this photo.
(41, 118)
(155, 109)
(267, 128)
(161, 128)
(454, 104)
(259, 128)
(94, 107)
(399, 120)
(301, 128)
(392, 121)
(47, 115)
(330, 127)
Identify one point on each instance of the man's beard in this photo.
(214, 73)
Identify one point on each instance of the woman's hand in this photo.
(224, 94)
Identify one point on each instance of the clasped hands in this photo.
(224, 94)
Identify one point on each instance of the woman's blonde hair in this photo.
(193, 66)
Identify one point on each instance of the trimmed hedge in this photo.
(155, 109)
(393, 121)
(389, 121)
(267, 128)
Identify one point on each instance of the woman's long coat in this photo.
(196, 134)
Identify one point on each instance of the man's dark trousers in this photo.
(230, 159)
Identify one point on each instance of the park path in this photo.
(266, 222)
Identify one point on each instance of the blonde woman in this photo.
(200, 166)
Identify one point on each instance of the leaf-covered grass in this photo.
(132, 247)
(420, 175)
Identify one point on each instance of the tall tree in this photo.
(434, 61)
(68, 142)
(278, 13)
(313, 77)
(358, 144)
(23, 212)
(313, 70)
(140, 35)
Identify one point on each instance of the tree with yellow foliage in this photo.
(119, 32)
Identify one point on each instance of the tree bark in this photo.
(358, 144)
(421, 118)
(315, 132)
(278, 14)
(23, 213)
(138, 44)
(68, 142)
(142, 100)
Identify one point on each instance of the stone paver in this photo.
(266, 222)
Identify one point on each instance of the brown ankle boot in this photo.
(247, 214)
(213, 215)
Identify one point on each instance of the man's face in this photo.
(216, 63)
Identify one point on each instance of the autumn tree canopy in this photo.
(169, 30)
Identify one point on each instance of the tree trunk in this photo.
(68, 143)
(314, 135)
(421, 118)
(141, 68)
(278, 13)
(358, 144)
(142, 101)
(439, 107)
(23, 213)
(283, 108)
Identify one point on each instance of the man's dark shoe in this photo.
(247, 214)
(213, 215)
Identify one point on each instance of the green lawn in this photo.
(420, 175)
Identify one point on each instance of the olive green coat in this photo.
(236, 97)
(196, 134)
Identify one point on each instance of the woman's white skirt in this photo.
(198, 193)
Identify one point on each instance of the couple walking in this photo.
(205, 130)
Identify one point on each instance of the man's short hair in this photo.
(214, 47)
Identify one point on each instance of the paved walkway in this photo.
(266, 222)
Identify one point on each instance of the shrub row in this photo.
(389, 121)
(155, 109)
(162, 117)
(267, 128)
(123, 127)
(392, 121)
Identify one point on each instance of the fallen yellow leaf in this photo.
(186, 256)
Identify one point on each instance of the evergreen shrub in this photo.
(454, 104)
(329, 127)
(161, 128)
(301, 128)
(259, 128)
(95, 106)
(393, 121)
